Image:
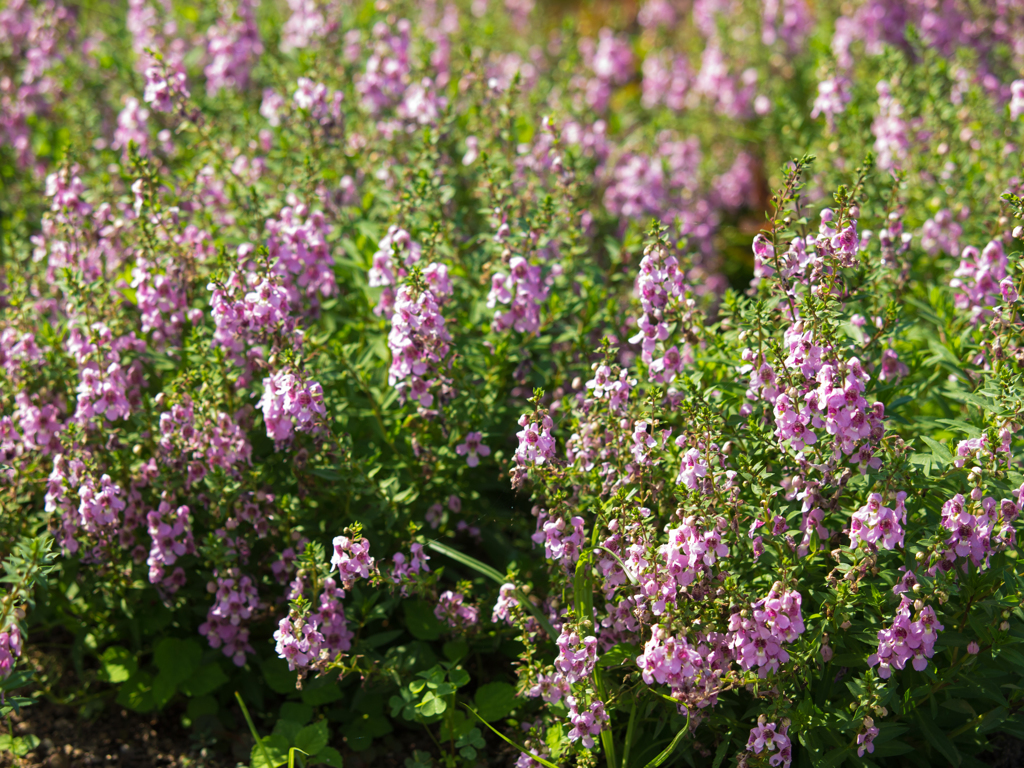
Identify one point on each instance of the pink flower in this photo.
(472, 449)
(452, 609)
(769, 738)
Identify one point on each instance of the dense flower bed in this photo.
(640, 386)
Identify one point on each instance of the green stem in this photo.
(254, 732)
(629, 734)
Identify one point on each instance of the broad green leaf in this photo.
(177, 659)
(117, 664)
(940, 451)
(274, 747)
(277, 676)
(327, 756)
(495, 700)
(296, 712)
(455, 650)
(136, 693)
(323, 691)
(431, 705)
(459, 677)
(421, 621)
(204, 680)
(289, 730)
(312, 738)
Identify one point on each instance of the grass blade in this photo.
(524, 750)
(485, 570)
(252, 730)
(667, 752)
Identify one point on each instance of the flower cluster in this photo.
(10, 648)
(217, 441)
(311, 641)
(876, 524)
(419, 339)
(662, 289)
(906, 640)
(396, 253)
(561, 539)
(771, 739)
(536, 445)
(505, 604)
(776, 620)
(352, 559)
(297, 241)
(978, 279)
(523, 290)
(588, 723)
(171, 532)
(404, 570)
(291, 404)
(576, 657)
(453, 610)
(225, 625)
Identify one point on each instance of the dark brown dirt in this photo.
(119, 738)
(115, 738)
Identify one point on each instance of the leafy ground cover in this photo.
(467, 383)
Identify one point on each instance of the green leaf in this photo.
(470, 562)
(454, 650)
(938, 449)
(328, 756)
(495, 701)
(381, 638)
(25, 744)
(164, 689)
(277, 676)
(583, 586)
(937, 738)
(720, 753)
(432, 705)
(117, 664)
(289, 730)
(274, 748)
(553, 738)
(204, 680)
(321, 692)
(622, 653)
(137, 693)
(296, 712)
(421, 621)
(312, 738)
(374, 726)
(177, 659)
(666, 753)
(459, 677)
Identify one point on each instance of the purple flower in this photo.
(452, 609)
(472, 449)
(769, 738)
(906, 640)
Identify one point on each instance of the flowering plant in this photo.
(398, 371)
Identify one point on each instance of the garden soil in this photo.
(126, 739)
